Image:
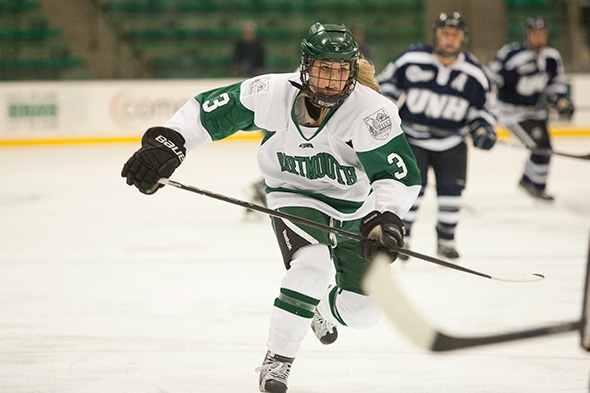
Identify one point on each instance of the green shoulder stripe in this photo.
(222, 113)
(394, 160)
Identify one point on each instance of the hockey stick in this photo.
(585, 322)
(543, 152)
(384, 289)
(341, 232)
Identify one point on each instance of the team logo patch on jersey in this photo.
(258, 85)
(379, 124)
(416, 74)
(527, 68)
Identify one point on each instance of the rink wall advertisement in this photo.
(91, 110)
(78, 111)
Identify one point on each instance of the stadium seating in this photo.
(517, 12)
(194, 38)
(29, 47)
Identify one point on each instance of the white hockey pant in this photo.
(310, 274)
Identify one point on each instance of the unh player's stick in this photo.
(542, 151)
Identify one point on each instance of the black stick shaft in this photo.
(317, 225)
(545, 152)
(449, 343)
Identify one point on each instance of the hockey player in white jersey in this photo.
(333, 152)
(443, 93)
(530, 78)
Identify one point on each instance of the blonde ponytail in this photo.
(366, 74)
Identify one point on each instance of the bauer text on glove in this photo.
(161, 153)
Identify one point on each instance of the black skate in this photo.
(446, 249)
(323, 330)
(535, 191)
(274, 373)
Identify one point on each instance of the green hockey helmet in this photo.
(334, 43)
(330, 42)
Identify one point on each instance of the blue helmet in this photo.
(453, 20)
(536, 23)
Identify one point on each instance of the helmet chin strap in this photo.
(320, 99)
(297, 85)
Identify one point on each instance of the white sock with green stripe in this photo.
(286, 332)
(302, 287)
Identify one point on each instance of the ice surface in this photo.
(106, 290)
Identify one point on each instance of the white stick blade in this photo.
(379, 283)
(528, 278)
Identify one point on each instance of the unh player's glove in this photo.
(161, 153)
(381, 232)
(484, 137)
(565, 108)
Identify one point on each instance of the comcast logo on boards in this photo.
(129, 108)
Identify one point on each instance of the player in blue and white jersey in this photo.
(530, 78)
(443, 95)
(333, 152)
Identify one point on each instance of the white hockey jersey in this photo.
(357, 161)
